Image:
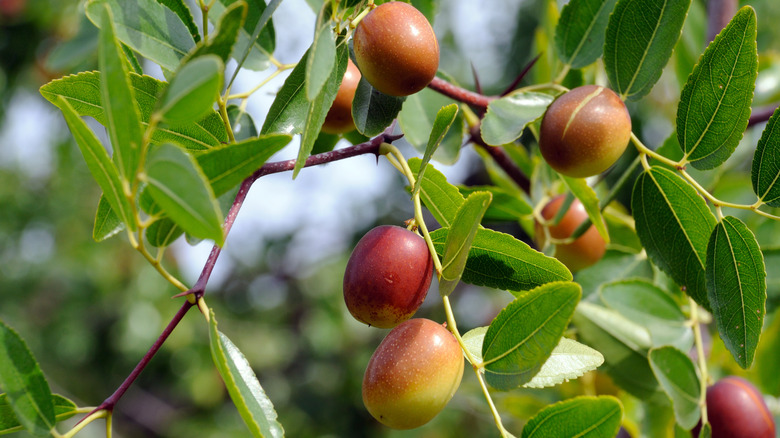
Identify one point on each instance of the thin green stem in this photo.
(83, 423)
(562, 75)
(651, 153)
(702, 359)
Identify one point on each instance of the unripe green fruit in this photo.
(339, 118)
(584, 251)
(396, 49)
(387, 276)
(413, 374)
(736, 409)
(584, 131)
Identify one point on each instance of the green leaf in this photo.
(624, 345)
(257, 38)
(288, 111)
(506, 206)
(373, 111)
(639, 41)
(766, 163)
(162, 232)
(680, 381)
(226, 34)
(583, 416)
(318, 109)
(582, 191)
(320, 64)
(417, 117)
(568, 360)
(444, 119)
(580, 33)
(715, 104)
(192, 92)
(508, 116)
(249, 397)
(24, 384)
(226, 166)
(124, 126)
(647, 305)
(107, 223)
(180, 8)
(473, 340)
(736, 287)
(500, 261)
(100, 166)
(674, 224)
(147, 27)
(459, 238)
(82, 92)
(63, 409)
(179, 186)
(523, 335)
(440, 197)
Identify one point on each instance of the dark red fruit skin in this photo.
(396, 49)
(387, 276)
(339, 118)
(736, 409)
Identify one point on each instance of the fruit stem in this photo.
(86, 421)
(702, 359)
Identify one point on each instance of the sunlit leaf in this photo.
(63, 409)
(508, 116)
(180, 8)
(579, 35)
(417, 117)
(582, 191)
(523, 335)
(459, 239)
(253, 42)
(585, 417)
(107, 223)
(766, 163)
(225, 35)
(192, 92)
(568, 360)
(321, 61)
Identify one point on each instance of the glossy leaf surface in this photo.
(680, 381)
(586, 417)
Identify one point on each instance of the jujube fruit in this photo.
(736, 409)
(387, 276)
(584, 131)
(583, 251)
(413, 374)
(396, 49)
(339, 118)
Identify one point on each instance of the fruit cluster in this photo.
(417, 368)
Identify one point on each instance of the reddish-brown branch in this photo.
(460, 94)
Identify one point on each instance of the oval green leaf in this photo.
(417, 118)
(580, 33)
(147, 27)
(506, 205)
(639, 41)
(322, 60)
(82, 92)
(374, 111)
(221, 42)
(288, 111)
(178, 185)
(523, 335)
(445, 117)
(24, 384)
(183, 11)
(500, 261)
(736, 287)
(506, 117)
(162, 232)
(765, 173)
(648, 305)
(107, 223)
(582, 191)
(582, 417)
(674, 224)
(459, 239)
(250, 399)
(63, 409)
(257, 38)
(615, 265)
(680, 381)
(715, 103)
(192, 92)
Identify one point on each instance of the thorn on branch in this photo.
(521, 76)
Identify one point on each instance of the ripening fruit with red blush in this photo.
(396, 49)
(584, 251)
(413, 374)
(339, 118)
(584, 131)
(736, 409)
(387, 276)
